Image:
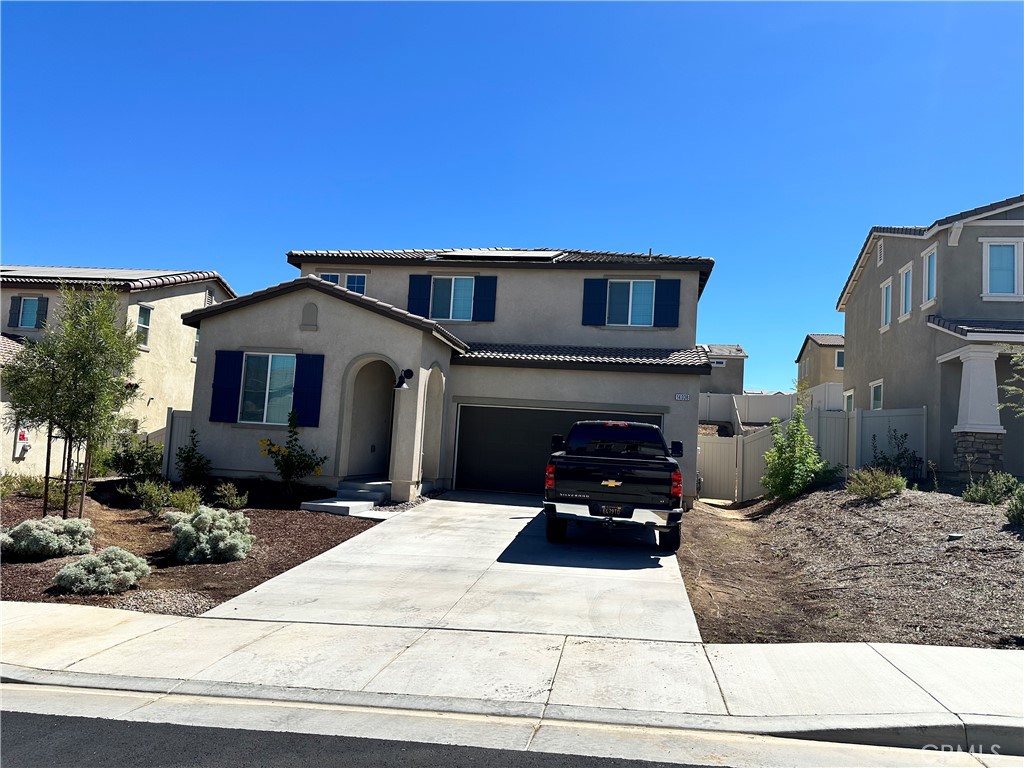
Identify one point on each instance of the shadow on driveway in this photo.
(589, 546)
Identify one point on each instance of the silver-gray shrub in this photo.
(212, 535)
(47, 537)
(109, 571)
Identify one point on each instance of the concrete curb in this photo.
(977, 733)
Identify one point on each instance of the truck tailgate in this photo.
(595, 480)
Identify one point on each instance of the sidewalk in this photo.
(889, 695)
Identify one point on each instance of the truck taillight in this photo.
(677, 484)
(549, 477)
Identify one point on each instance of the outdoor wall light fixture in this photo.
(403, 377)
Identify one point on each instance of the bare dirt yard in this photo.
(285, 537)
(829, 567)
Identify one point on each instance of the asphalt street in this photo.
(46, 741)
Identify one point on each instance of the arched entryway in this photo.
(369, 449)
(433, 415)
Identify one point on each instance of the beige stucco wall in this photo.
(538, 306)
(817, 365)
(724, 379)
(600, 390)
(349, 338)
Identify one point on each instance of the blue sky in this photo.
(767, 136)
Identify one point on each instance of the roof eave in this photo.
(703, 369)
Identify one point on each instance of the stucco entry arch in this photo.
(433, 423)
(367, 394)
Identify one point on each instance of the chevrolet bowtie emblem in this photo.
(611, 483)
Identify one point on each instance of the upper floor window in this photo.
(1002, 269)
(886, 304)
(195, 347)
(142, 327)
(906, 294)
(717, 363)
(29, 314)
(928, 284)
(630, 302)
(876, 394)
(451, 298)
(840, 359)
(267, 385)
(356, 283)
(330, 277)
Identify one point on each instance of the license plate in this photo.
(607, 509)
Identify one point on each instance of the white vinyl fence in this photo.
(176, 434)
(731, 467)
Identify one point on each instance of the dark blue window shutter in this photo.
(485, 292)
(419, 295)
(41, 308)
(309, 380)
(595, 301)
(227, 385)
(666, 304)
(15, 314)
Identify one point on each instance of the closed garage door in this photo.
(506, 449)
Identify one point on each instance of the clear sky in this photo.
(767, 136)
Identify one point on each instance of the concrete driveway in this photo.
(481, 562)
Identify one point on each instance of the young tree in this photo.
(1014, 386)
(792, 463)
(77, 377)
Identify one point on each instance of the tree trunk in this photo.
(86, 470)
(46, 472)
(67, 475)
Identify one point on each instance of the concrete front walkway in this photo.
(456, 607)
(482, 563)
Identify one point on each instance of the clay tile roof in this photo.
(693, 360)
(822, 340)
(9, 346)
(121, 279)
(965, 326)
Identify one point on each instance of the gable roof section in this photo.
(822, 340)
(679, 361)
(312, 282)
(725, 350)
(9, 346)
(120, 279)
(919, 232)
(515, 258)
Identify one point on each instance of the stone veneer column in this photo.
(978, 435)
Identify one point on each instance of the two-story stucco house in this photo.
(821, 360)
(726, 369)
(152, 300)
(933, 314)
(450, 368)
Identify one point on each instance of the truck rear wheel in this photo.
(669, 541)
(555, 529)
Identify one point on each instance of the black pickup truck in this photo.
(614, 473)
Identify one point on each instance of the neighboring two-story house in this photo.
(726, 369)
(152, 300)
(932, 316)
(821, 360)
(450, 368)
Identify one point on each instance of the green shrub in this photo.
(109, 571)
(227, 496)
(133, 456)
(193, 467)
(47, 537)
(151, 495)
(292, 460)
(9, 483)
(875, 484)
(994, 488)
(212, 535)
(186, 500)
(1015, 509)
(899, 459)
(792, 464)
(32, 486)
(101, 465)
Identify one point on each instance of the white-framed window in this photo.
(906, 291)
(876, 394)
(1002, 269)
(330, 277)
(631, 302)
(356, 283)
(840, 359)
(143, 325)
(929, 276)
(195, 347)
(886, 304)
(848, 401)
(451, 298)
(879, 253)
(29, 314)
(718, 363)
(267, 383)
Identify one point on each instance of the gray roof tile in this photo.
(565, 356)
(9, 346)
(121, 279)
(965, 326)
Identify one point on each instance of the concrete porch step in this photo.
(337, 506)
(375, 491)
